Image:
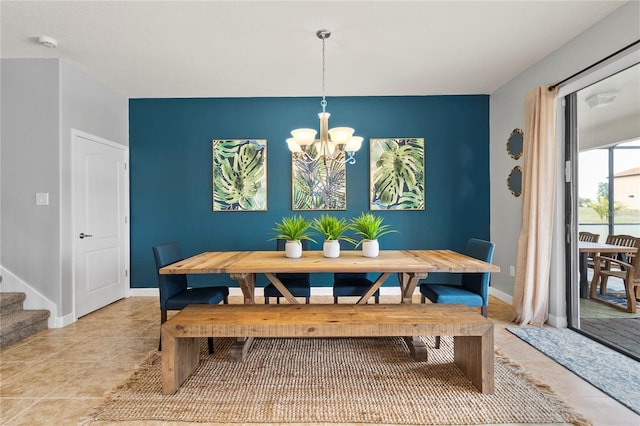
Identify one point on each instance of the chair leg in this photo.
(437, 342)
(377, 299)
(278, 300)
(485, 311)
(335, 299)
(307, 300)
(631, 295)
(603, 284)
(422, 298)
(210, 344)
(266, 300)
(226, 300)
(163, 319)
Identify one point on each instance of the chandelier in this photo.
(332, 142)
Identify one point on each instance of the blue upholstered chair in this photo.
(298, 284)
(351, 284)
(474, 287)
(175, 294)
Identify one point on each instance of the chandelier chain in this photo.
(333, 143)
(324, 101)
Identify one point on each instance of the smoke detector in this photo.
(48, 42)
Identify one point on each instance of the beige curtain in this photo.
(531, 292)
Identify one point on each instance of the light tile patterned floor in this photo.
(57, 376)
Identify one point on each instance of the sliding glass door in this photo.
(603, 197)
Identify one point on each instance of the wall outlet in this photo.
(512, 271)
(42, 198)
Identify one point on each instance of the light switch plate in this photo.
(42, 198)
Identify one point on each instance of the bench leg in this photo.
(417, 347)
(474, 356)
(179, 358)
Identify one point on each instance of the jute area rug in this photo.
(340, 381)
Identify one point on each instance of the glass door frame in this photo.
(568, 99)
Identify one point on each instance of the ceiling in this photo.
(606, 123)
(148, 49)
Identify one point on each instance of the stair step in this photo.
(20, 324)
(11, 302)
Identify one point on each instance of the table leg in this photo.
(375, 286)
(474, 356)
(282, 288)
(584, 283)
(240, 348)
(179, 358)
(247, 283)
(408, 283)
(417, 347)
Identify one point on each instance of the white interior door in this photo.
(100, 210)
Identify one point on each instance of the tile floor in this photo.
(57, 376)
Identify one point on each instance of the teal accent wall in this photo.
(171, 176)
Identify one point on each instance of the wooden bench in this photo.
(473, 341)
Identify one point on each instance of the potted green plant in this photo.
(333, 230)
(293, 229)
(369, 228)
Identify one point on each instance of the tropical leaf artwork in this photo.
(320, 184)
(240, 175)
(397, 174)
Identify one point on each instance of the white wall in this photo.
(42, 100)
(30, 150)
(93, 108)
(619, 29)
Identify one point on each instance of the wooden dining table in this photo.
(410, 266)
(585, 248)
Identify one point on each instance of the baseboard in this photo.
(558, 322)
(259, 292)
(142, 292)
(507, 298)
(34, 300)
(555, 321)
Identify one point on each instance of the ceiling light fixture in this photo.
(601, 99)
(48, 42)
(332, 142)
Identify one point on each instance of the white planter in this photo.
(331, 248)
(293, 249)
(370, 248)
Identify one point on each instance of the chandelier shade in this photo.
(332, 143)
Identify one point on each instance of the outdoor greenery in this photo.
(589, 215)
(590, 211)
(601, 207)
(293, 228)
(369, 227)
(332, 228)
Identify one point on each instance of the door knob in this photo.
(83, 235)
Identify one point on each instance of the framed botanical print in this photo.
(396, 176)
(239, 175)
(318, 184)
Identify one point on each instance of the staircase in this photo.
(15, 322)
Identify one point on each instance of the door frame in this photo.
(569, 146)
(126, 235)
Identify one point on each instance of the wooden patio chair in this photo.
(628, 271)
(590, 238)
